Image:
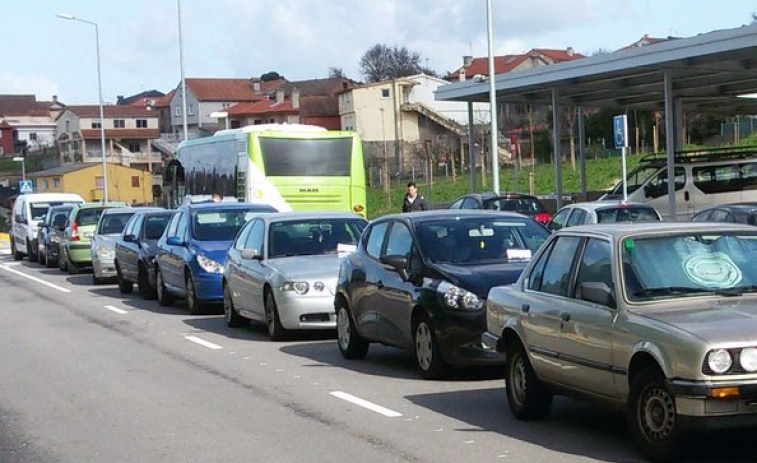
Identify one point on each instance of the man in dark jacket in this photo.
(413, 201)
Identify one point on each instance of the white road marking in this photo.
(35, 279)
(115, 309)
(365, 404)
(203, 342)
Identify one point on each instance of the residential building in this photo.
(278, 110)
(646, 40)
(33, 121)
(144, 99)
(127, 184)
(508, 63)
(129, 132)
(6, 138)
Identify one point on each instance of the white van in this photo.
(28, 211)
(702, 179)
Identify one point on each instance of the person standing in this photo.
(413, 201)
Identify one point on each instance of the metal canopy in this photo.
(708, 72)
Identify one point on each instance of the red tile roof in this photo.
(23, 105)
(261, 107)
(507, 63)
(111, 111)
(221, 89)
(115, 134)
(647, 40)
(319, 106)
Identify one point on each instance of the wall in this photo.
(177, 121)
(83, 183)
(6, 141)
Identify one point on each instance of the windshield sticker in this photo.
(518, 254)
(630, 245)
(715, 270)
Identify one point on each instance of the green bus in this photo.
(288, 166)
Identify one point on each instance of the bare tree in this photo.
(382, 62)
(335, 72)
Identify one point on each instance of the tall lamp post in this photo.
(492, 99)
(100, 97)
(23, 166)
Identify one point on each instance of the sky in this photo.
(44, 55)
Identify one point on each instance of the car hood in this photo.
(320, 267)
(215, 250)
(715, 322)
(106, 241)
(479, 279)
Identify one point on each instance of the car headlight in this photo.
(458, 298)
(719, 361)
(55, 239)
(748, 359)
(299, 287)
(209, 265)
(105, 252)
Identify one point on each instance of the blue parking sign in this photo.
(25, 186)
(620, 131)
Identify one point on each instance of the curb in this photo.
(4, 237)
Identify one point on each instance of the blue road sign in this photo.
(25, 186)
(620, 131)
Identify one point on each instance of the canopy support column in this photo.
(581, 152)
(556, 135)
(471, 149)
(670, 141)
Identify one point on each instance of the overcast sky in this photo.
(301, 39)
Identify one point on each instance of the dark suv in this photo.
(420, 280)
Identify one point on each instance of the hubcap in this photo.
(517, 382)
(657, 412)
(343, 328)
(424, 346)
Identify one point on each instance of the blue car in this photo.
(192, 252)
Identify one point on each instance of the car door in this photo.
(577, 217)
(395, 295)
(172, 262)
(126, 250)
(559, 220)
(233, 268)
(367, 272)
(585, 343)
(254, 272)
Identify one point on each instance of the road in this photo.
(90, 375)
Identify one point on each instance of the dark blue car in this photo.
(192, 251)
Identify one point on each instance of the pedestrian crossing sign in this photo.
(25, 186)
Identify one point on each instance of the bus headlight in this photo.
(209, 265)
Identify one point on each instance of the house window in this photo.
(384, 93)
(257, 122)
(98, 183)
(43, 184)
(56, 182)
(96, 124)
(177, 111)
(135, 181)
(2, 150)
(119, 123)
(68, 126)
(33, 136)
(225, 105)
(135, 147)
(141, 123)
(191, 110)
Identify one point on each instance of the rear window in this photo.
(39, 210)
(305, 158)
(89, 216)
(155, 226)
(113, 224)
(527, 206)
(627, 214)
(221, 225)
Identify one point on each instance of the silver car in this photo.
(659, 320)
(602, 212)
(103, 248)
(282, 270)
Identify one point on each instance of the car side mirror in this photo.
(130, 238)
(250, 254)
(597, 292)
(174, 241)
(397, 263)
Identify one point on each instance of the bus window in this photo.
(327, 157)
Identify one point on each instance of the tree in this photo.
(271, 75)
(382, 62)
(335, 73)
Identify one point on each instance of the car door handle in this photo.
(380, 284)
(685, 195)
(525, 308)
(565, 316)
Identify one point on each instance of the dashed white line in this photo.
(35, 279)
(115, 309)
(365, 404)
(203, 342)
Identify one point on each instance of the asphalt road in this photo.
(90, 375)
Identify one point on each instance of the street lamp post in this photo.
(492, 99)
(22, 160)
(100, 98)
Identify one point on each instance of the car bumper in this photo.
(104, 268)
(209, 286)
(306, 312)
(699, 409)
(79, 254)
(459, 334)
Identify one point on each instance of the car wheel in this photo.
(427, 354)
(351, 344)
(41, 256)
(230, 314)
(195, 306)
(49, 263)
(164, 298)
(30, 252)
(62, 260)
(652, 416)
(527, 396)
(124, 286)
(275, 330)
(143, 283)
(16, 255)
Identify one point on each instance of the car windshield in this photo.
(155, 225)
(221, 224)
(686, 265)
(527, 206)
(480, 240)
(312, 237)
(39, 210)
(113, 224)
(627, 214)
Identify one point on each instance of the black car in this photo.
(49, 234)
(419, 281)
(745, 213)
(514, 202)
(136, 249)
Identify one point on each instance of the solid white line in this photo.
(35, 279)
(365, 404)
(115, 309)
(203, 342)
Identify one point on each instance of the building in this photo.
(142, 99)
(129, 131)
(127, 184)
(509, 63)
(6, 138)
(33, 121)
(277, 110)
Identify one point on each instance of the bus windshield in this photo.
(290, 157)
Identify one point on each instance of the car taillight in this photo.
(542, 218)
(75, 232)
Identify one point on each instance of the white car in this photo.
(29, 211)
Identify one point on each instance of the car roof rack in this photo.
(703, 155)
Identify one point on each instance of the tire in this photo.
(62, 260)
(164, 297)
(230, 314)
(30, 252)
(426, 348)
(49, 263)
(195, 306)
(16, 255)
(124, 286)
(652, 416)
(143, 283)
(351, 344)
(41, 256)
(275, 330)
(528, 398)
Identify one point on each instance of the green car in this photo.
(77, 236)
